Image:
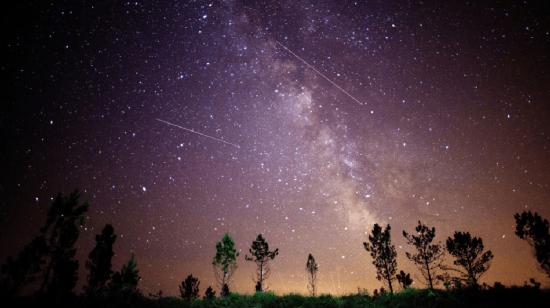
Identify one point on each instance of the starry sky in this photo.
(307, 121)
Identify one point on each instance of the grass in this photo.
(493, 297)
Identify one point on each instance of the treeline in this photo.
(47, 267)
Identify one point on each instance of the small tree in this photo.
(429, 256)
(225, 262)
(534, 229)
(225, 291)
(189, 288)
(261, 255)
(127, 279)
(383, 254)
(469, 255)
(311, 268)
(99, 260)
(404, 280)
(209, 293)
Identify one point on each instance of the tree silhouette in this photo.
(225, 291)
(404, 279)
(383, 254)
(99, 261)
(225, 262)
(311, 268)
(19, 272)
(534, 229)
(429, 256)
(261, 255)
(126, 280)
(61, 232)
(189, 288)
(209, 293)
(468, 253)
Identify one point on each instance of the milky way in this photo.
(307, 121)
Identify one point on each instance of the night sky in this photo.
(311, 121)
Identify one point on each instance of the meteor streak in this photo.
(319, 73)
(199, 133)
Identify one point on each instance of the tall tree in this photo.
(18, 272)
(383, 254)
(126, 280)
(261, 255)
(429, 256)
(469, 255)
(189, 288)
(311, 268)
(534, 229)
(225, 262)
(61, 231)
(99, 260)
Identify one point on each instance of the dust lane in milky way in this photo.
(304, 121)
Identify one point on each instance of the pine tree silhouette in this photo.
(469, 255)
(534, 229)
(189, 288)
(99, 261)
(126, 280)
(225, 262)
(261, 255)
(61, 231)
(429, 256)
(383, 254)
(312, 268)
(21, 271)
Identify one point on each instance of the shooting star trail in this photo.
(319, 73)
(199, 133)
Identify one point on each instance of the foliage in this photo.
(99, 261)
(469, 255)
(225, 290)
(52, 253)
(383, 254)
(209, 293)
(189, 288)
(225, 262)
(312, 268)
(534, 229)
(19, 272)
(126, 280)
(61, 232)
(404, 279)
(468, 297)
(261, 255)
(429, 256)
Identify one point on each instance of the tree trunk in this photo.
(388, 277)
(430, 283)
(261, 280)
(46, 277)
